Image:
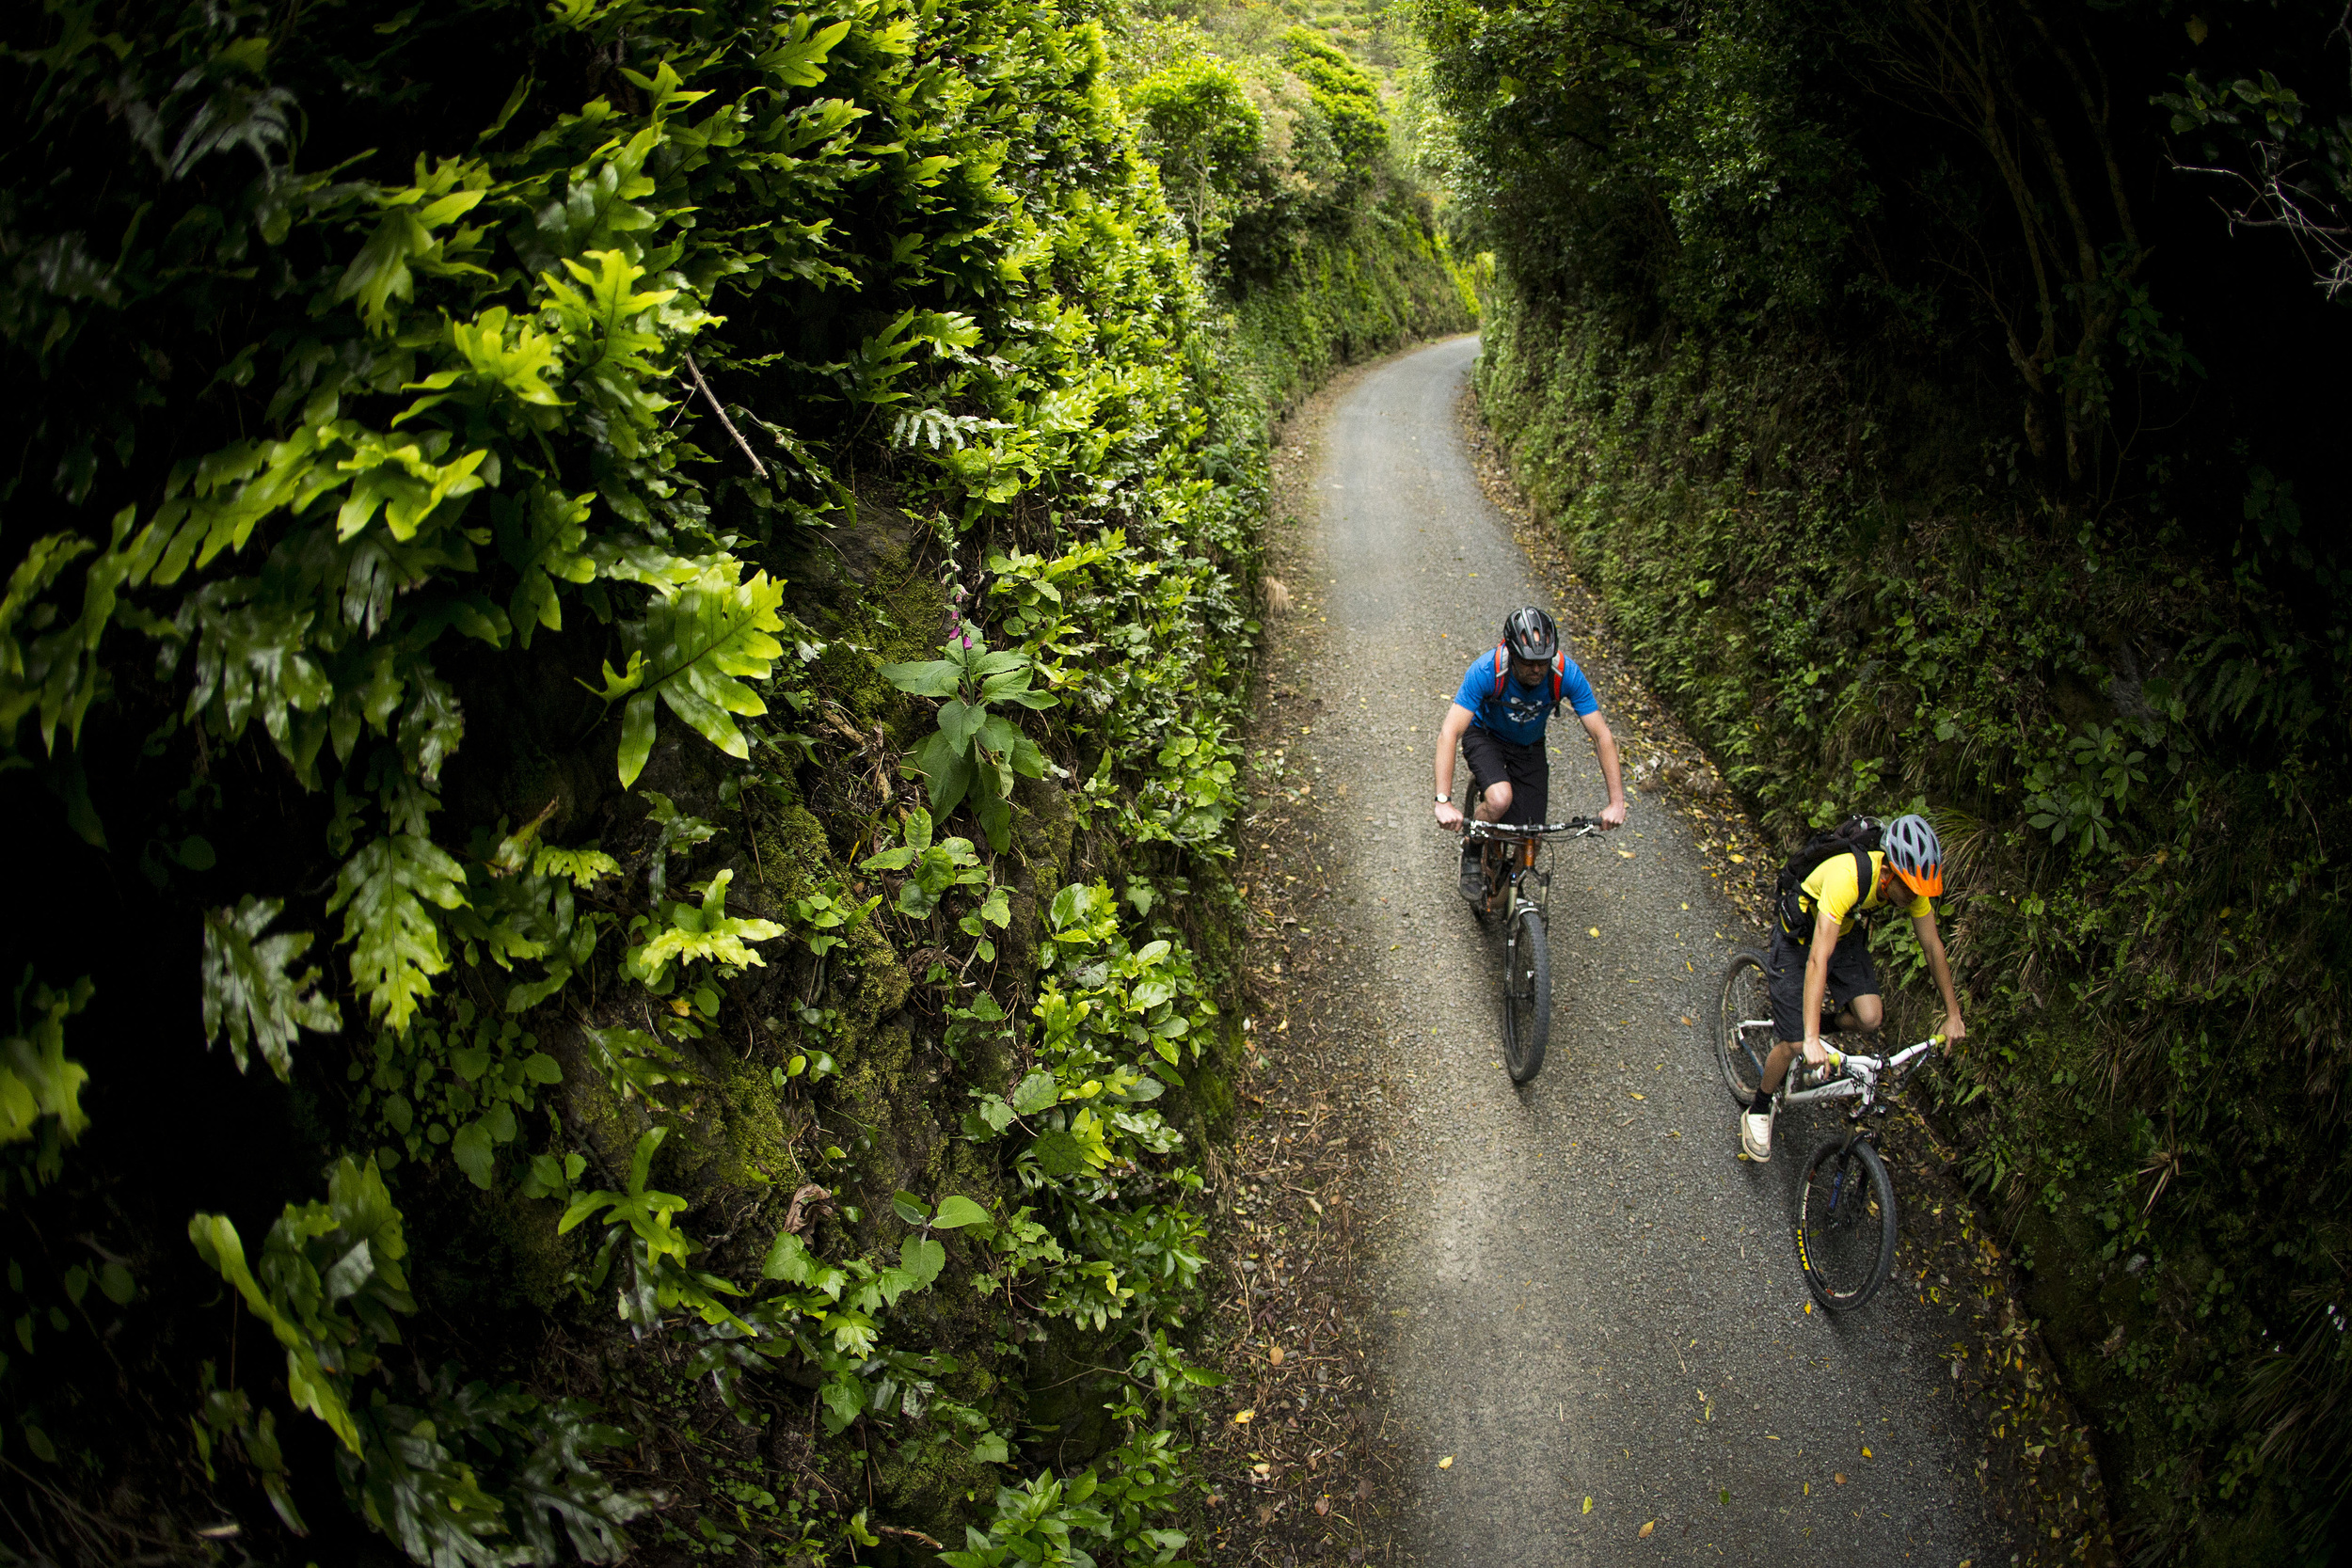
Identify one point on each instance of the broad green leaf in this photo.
(910, 1207)
(956, 1212)
(960, 721)
(945, 770)
(475, 1152)
(922, 1258)
(1039, 1091)
(995, 820)
(1059, 1155)
(936, 677)
(247, 993)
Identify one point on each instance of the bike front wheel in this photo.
(1526, 996)
(1742, 1025)
(1845, 1223)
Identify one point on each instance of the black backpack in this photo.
(1856, 836)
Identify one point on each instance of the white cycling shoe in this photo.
(1756, 1135)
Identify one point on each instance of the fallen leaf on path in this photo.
(1274, 1355)
(1740, 860)
(1625, 854)
(1243, 1417)
(1363, 1490)
(1865, 1452)
(1641, 1097)
(1690, 1021)
(1840, 1478)
(1588, 1505)
(1646, 1529)
(1592, 931)
(1446, 1464)
(1322, 1507)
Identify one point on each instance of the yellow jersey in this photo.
(1833, 887)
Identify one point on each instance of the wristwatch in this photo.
(1445, 799)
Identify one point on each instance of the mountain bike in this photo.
(1846, 1218)
(1508, 858)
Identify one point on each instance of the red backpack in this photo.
(1559, 673)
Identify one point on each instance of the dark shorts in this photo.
(1850, 974)
(1494, 760)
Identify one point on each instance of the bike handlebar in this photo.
(1578, 826)
(1867, 1068)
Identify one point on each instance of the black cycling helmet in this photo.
(1917, 854)
(1530, 635)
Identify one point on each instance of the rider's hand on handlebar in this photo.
(1818, 1054)
(1449, 815)
(1613, 815)
(1953, 1028)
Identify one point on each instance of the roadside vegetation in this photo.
(620, 681)
(1938, 397)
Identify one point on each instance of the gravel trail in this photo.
(1586, 1302)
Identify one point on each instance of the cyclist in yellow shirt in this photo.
(1825, 960)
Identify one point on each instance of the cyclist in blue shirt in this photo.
(1498, 721)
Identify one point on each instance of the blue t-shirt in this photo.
(1517, 713)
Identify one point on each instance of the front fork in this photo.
(1504, 877)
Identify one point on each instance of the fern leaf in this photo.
(700, 642)
(247, 993)
(396, 945)
(706, 933)
(37, 1078)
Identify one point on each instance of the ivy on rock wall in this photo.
(636, 614)
(1932, 442)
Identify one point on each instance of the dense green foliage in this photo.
(1935, 443)
(1274, 149)
(509, 497)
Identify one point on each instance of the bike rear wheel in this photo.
(1845, 1223)
(1526, 996)
(1742, 1025)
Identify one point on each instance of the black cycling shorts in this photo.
(1494, 760)
(1850, 974)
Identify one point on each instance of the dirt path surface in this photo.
(1553, 1326)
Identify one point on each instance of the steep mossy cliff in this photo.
(624, 635)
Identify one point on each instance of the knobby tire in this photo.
(1526, 996)
(1742, 996)
(1846, 1224)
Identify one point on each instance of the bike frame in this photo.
(1856, 1076)
(1534, 836)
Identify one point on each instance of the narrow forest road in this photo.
(1580, 1291)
